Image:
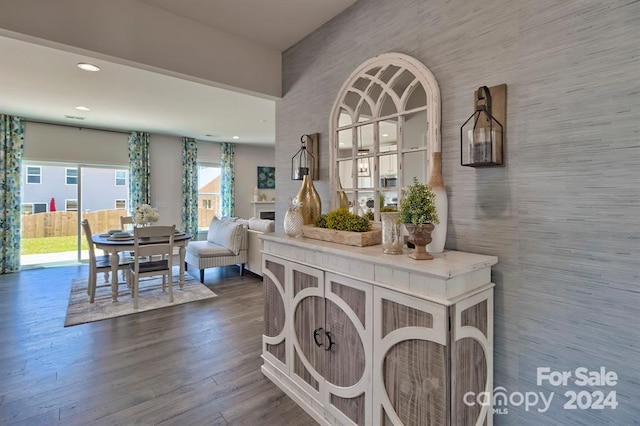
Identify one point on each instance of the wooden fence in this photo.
(60, 224)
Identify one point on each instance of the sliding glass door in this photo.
(56, 197)
(103, 194)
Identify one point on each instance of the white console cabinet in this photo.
(357, 337)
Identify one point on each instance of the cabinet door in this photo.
(472, 357)
(275, 315)
(410, 379)
(348, 361)
(308, 317)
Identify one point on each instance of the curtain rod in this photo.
(77, 127)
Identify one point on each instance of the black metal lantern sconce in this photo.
(305, 161)
(482, 135)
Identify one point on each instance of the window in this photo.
(71, 176)
(121, 178)
(34, 174)
(209, 200)
(121, 204)
(32, 208)
(71, 205)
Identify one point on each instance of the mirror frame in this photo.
(380, 74)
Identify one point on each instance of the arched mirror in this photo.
(384, 123)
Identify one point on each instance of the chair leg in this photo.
(92, 287)
(170, 279)
(186, 266)
(242, 269)
(134, 291)
(202, 276)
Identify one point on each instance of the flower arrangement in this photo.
(145, 214)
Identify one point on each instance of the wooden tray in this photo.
(359, 239)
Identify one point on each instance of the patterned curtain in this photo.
(228, 179)
(138, 169)
(11, 148)
(190, 186)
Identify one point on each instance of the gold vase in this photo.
(311, 204)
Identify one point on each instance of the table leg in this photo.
(182, 253)
(115, 260)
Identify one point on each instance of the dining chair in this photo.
(149, 241)
(97, 264)
(125, 221)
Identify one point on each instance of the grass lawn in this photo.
(51, 245)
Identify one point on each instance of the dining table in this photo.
(114, 246)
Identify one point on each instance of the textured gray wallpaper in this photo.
(563, 214)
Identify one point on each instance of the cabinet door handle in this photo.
(316, 332)
(331, 342)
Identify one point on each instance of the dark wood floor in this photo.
(192, 364)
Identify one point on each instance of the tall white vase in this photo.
(439, 234)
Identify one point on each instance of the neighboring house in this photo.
(209, 195)
(103, 189)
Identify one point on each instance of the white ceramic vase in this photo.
(439, 234)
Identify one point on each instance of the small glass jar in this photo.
(392, 239)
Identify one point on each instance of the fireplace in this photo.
(268, 215)
(264, 209)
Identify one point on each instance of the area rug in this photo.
(151, 297)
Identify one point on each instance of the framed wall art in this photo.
(266, 177)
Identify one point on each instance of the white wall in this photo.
(248, 158)
(54, 143)
(134, 33)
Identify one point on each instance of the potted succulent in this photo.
(419, 215)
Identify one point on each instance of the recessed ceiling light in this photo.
(235, 137)
(88, 67)
(83, 108)
(384, 135)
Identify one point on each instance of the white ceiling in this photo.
(43, 84)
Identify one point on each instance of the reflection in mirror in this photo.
(364, 114)
(366, 203)
(345, 118)
(415, 130)
(388, 167)
(417, 98)
(402, 82)
(388, 199)
(414, 164)
(345, 143)
(389, 72)
(365, 169)
(351, 100)
(388, 106)
(365, 138)
(344, 173)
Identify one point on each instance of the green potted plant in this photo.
(419, 215)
